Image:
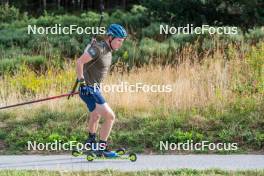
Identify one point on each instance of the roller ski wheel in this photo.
(76, 153)
(132, 157)
(121, 151)
(90, 157)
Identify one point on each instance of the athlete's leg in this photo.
(93, 122)
(109, 117)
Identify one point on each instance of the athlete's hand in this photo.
(82, 82)
(82, 87)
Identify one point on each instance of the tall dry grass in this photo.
(193, 85)
(210, 82)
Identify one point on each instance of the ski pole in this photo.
(40, 100)
(73, 89)
(100, 21)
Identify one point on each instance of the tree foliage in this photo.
(240, 13)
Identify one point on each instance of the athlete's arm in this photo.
(90, 53)
(85, 57)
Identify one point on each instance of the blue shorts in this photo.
(92, 98)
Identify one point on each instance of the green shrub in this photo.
(133, 20)
(37, 63)
(255, 59)
(14, 37)
(182, 39)
(153, 31)
(8, 14)
(129, 54)
(255, 35)
(151, 49)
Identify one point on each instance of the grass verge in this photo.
(240, 122)
(181, 172)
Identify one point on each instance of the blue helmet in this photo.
(116, 30)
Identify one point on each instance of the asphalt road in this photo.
(144, 162)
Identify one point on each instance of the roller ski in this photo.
(100, 151)
(119, 154)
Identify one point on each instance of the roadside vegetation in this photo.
(217, 85)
